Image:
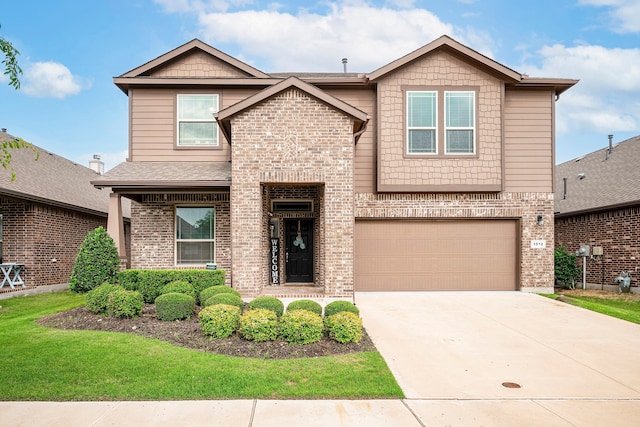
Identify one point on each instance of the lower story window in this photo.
(195, 235)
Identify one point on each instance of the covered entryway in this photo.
(412, 255)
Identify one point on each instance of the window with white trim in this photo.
(422, 119)
(460, 122)
(196, 124)
(195, 235)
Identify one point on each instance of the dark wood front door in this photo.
(299, 250)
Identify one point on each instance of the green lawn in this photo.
(623, 306)
(49, 364)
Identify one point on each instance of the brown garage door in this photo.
(406, 255)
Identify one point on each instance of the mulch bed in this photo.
(187, 333)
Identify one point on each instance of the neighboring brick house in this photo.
(429, 173)
(45, 213)
(598, 204)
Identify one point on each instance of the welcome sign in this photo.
(275, 261)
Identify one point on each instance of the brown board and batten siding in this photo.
(528, 140)
(436, 255)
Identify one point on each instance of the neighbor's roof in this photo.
(600, 181)
(53, 180)
(166, 175)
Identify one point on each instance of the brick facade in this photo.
(617, 231)
(45, 239)
(536, 265)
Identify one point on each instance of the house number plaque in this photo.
(275, 261)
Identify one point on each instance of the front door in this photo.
(299, 247)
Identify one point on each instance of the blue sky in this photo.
(71, 50)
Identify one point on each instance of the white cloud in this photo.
(51, 80)
(184, 6)
(605, 99)
(624, 13)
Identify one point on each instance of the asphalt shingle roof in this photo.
(165, 173)
(599, 180)
(54, 180)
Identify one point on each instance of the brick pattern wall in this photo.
(292, 139)
(440, 70)
(153, 229)
(199, 64)
(35, 235)
(536, 265)
(617, 231)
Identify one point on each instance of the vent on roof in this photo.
(579, 158)
(581, 175)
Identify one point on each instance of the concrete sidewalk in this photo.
(451, 354)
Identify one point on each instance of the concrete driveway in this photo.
(460, 357)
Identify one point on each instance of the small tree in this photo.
(97, 262)
(566, 270)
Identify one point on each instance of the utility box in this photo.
(597, 251)
(583, 251)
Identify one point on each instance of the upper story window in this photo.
(422, 118)
(196, 124)
(441, 121)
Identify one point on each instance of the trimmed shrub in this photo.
(225, 298)
(219, 321)
(338, 306)
(123, 303)
(270, 303)
(301, 327)
(150, 282)
(175, 306)
(179, 286)
(207, 293)
(344, 327)
(259, 324)
(97, 262)
(97, 298)
(305, 304)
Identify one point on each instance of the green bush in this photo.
(207, 293)
(301, 327)
(305, 304)
(97, 262)
(175, 306)
(219, 321)
(344, 327)
(338, 306)
(270, 303)
(225, 298)
(565, 268)
(179, 286)
(150, 282)
(123, 303)
(259, 325)
(97, 298)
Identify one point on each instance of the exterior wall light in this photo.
(540, 220)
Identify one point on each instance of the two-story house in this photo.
(434, 172)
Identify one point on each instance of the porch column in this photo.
(115, 224)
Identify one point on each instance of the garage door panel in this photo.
(436, 255)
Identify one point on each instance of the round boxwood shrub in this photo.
(305, 304)
(175, 306)
(179, 286)
(225, 298)
(270, 303)
(97, 298)
(344, 327)
(122, 303)
(97, 262)
(220, 320)
(259, 324)
(301, 327)
(207, 293)
(338, 306)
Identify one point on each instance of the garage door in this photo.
(435, 255)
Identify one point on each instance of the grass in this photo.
(622, 306)
(50, 364)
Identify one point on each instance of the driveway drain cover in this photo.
(511, 385)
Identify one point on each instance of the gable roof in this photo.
(475, 58)
(599, 181)
(224, 116)
(53, 180)
(184, 49)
